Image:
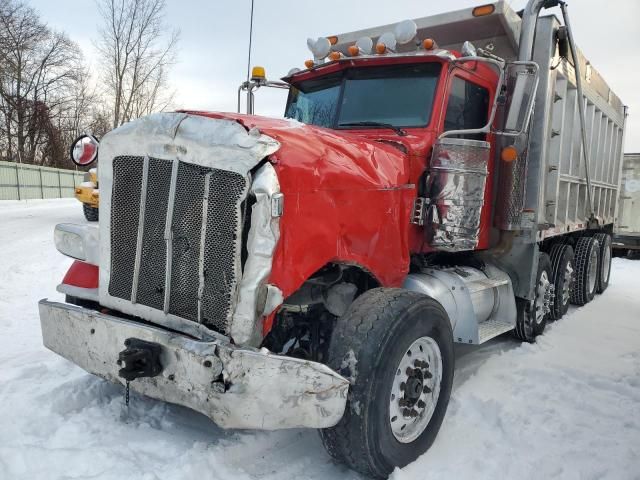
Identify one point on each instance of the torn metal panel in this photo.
(235, 387)
(261, 243)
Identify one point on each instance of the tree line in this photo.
(48, 95)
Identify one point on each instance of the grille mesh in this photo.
(125, 208)
(221, 250)
(225, 189)
(154, 248)
(187, 221)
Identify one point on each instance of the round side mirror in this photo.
(84, 150)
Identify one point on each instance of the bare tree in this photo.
(136, 56)
(40, 73)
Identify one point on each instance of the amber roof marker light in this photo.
(483, 10)
(429, 44)
(258, 73)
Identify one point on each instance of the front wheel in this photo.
(396, 349)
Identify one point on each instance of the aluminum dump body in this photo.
(556, 187)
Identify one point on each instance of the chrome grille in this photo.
(204, 243)
(127, 177)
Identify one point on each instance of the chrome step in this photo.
(492, 328)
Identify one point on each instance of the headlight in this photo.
(69, 243)
(78, 241)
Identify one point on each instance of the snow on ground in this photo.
(566, 407)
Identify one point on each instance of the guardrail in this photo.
(20, 181)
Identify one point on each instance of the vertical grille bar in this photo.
(168, 234)
(203, 239)
(143, 204)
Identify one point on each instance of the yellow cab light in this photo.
(308, 63)
(428, 43)
(483, 10)
(354, 51)
(333, 39)
(333, 56)
(258, 73)
(509, 154)
(381, 48)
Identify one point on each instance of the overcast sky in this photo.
(212, 52)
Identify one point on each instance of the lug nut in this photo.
(426, 389)
(406, 412)
(403, 402)
(409, 371)
(421, 404)
(428, 374)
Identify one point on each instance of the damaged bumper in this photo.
(235, 387)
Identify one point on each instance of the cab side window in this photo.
(468, 107)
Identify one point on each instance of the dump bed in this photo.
(556, 188)
(555, 192)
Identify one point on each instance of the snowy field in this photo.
(567, 407)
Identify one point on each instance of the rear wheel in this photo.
(532, 316)
(90, 213)
(604, 261)
(562, 263)
(586, 258)
(396, 349)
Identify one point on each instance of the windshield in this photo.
(400, 96)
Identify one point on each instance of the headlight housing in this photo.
(77, 241)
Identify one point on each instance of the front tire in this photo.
(396, 348)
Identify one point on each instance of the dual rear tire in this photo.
(563, 264)
(565, 276)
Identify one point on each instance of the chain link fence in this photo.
(21, 181)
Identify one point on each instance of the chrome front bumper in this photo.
(235, 387)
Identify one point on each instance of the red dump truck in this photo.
(446, 179)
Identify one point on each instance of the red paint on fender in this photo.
(82, 275)
(347, 199)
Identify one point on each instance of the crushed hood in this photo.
(209, 142)
(312, 158)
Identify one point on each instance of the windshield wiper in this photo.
(398, 130)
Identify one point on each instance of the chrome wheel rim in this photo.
(415, 390)
(606, 263)
(543, 291)
(593, 269)
(568, 281)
